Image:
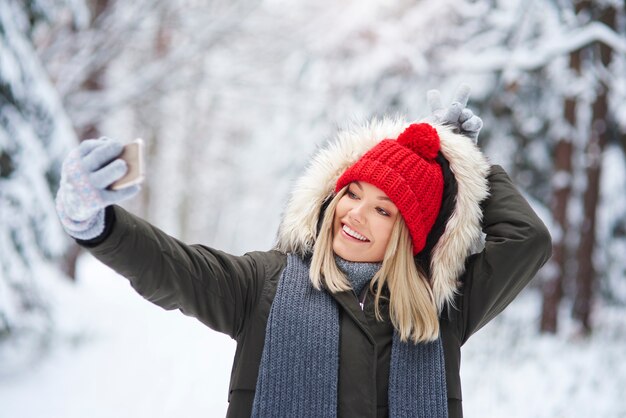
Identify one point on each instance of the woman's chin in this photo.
(353, 254)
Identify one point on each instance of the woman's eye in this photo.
(382, 211)
(351, 195)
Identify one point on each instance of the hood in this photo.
(462, 234)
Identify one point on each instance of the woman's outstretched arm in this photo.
(219, 289)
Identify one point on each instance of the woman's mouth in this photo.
(351, 233)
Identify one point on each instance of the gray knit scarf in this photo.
(299, 367)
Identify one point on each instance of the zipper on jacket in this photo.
(361, 299)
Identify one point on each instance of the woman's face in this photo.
(362, 225)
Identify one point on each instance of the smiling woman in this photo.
(385, 241)
(373, 286)
(366, 225)
(364, 218)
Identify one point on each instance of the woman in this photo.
(376, 280)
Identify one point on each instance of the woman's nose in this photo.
(356, 214)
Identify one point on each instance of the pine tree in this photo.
(35, 134)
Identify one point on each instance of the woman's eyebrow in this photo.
(361, 187)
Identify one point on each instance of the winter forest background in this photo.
(232, 97)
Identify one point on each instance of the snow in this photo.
(511, 370)
(35, 134)
(533, 58)
(120, 356)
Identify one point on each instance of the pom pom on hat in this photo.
(422, 139)
(406, 170)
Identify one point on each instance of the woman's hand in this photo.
(87, 172)
(457, 114)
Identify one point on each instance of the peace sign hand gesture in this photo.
(457, 114)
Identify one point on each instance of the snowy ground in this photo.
(133, 359)
(510, 370)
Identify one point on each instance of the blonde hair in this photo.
(412, 306)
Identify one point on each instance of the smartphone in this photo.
(133, 155)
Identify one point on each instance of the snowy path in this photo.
(137, 360)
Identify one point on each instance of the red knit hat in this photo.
(406, 170)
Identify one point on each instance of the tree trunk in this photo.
(586, 276)
(562, 187)
(553, 287)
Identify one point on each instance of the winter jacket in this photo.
(233, 294)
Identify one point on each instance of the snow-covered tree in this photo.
(35, 134)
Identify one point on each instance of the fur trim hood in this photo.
(298, 228)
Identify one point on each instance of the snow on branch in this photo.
(533, 57)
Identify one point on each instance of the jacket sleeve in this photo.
(517, 244)
(217, 288)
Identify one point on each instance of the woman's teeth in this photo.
(354, 234)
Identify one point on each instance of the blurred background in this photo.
(232, 98)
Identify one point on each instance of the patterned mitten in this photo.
(83, 195)
(457, 114)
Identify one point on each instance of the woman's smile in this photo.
(364, 218)
(353, 235)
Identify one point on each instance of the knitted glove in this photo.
(457, 114)
(86, 173)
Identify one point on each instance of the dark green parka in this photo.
(234, 294)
